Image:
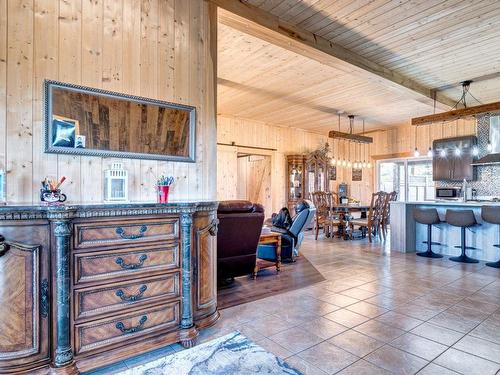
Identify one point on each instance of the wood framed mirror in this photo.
(82, 120)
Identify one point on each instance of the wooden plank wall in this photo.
(163, 49)
(387, 143)
(286, 141)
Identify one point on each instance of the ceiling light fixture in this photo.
(416, 153)
(350, 136)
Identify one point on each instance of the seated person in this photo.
(291, 232)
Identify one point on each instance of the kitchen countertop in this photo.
(451, 203)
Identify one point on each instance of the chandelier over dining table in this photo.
(354, 148)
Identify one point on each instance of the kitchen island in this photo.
(408, 235)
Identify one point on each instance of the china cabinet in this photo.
(307, 174)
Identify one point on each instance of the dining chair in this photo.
(332, 198)
(322, 201)
(372, 222)
(391, 197)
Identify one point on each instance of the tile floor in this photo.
(377, 313)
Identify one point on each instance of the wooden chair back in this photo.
(333, 198)
(377, 206)
(391, 197)
(320, 200)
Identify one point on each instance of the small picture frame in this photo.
(80, 141)
(64, 131)
(70, 120)
(357, 174)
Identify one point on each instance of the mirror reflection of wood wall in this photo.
(119, 125)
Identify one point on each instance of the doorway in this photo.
(254, 179)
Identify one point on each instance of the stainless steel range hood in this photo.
(494, 155)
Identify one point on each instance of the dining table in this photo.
(344, 211)
(349, 208)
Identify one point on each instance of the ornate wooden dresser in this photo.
(85, 286)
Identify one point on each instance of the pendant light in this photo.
(351, 125)
(363, 165)
(416, 153)
(344, 162)
(369, 165)
(430, 153)
(349, 164)
(355, 164)
(334, 161)
(475, 151)
(458, 149)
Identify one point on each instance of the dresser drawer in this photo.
(110, 264)
(124, 232)
(90, 302)
(94, 336)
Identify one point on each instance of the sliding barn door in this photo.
(254, 180)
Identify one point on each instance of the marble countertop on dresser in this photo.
(41, 211)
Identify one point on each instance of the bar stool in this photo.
(463, 219)
(430, 217)
(491, 214)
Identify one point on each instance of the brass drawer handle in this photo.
(131, 298)
(137, 328)
(131, 266)
(121, 232)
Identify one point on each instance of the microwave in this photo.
(448, 193)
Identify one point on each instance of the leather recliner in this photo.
(240, 226)
(291, 238)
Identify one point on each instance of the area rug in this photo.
(232, 354)
(293, 276)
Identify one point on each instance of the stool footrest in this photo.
(497, 245)
(494, 264)
(433, 243)
(429, 254)
(464, 259)
(466, 247)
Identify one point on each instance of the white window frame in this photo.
(405, 161)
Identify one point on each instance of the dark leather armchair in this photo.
(291, 238)
(240, 225)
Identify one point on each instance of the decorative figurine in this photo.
(50, 192)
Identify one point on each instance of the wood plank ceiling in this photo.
(437, 43)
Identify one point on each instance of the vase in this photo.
(163, 193)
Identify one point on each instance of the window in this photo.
(411, 178)
(391, 177)
(420, 184)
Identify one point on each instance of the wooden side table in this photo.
(269, 239)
